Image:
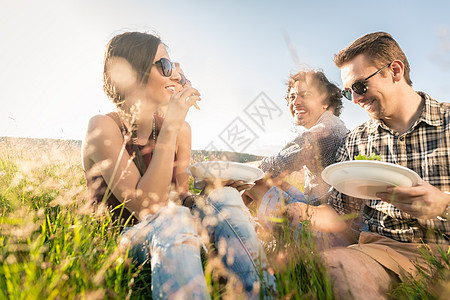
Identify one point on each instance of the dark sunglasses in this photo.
(360, 86)
(167, 67)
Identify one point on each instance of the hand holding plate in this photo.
(215, 183)
(422, 201)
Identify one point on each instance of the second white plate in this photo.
(364, 178)
(224, 170)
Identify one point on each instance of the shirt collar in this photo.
(430, 115)
(323, 116)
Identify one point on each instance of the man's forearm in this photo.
(323, 217)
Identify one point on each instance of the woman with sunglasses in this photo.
(183, 81)
(135, 163)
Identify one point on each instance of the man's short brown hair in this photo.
(379, 48)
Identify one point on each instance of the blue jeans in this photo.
(171, 239)
(170, 242)
(272, 201)
(275, 197)
(232, 230)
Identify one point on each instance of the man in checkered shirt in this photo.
(407, 128)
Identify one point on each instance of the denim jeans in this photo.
(272, 201)
(275, 197)
(170, 242)
(232, 229)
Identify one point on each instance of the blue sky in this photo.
(52, 52)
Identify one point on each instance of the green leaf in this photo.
(372, 156)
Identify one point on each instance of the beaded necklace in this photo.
(134, 133)
(138, 159)
(153, 135)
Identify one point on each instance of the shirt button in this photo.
(402, 138)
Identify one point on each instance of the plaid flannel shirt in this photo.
(425, 149)
(314, 148)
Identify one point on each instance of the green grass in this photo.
(54, 246)
(424, 286)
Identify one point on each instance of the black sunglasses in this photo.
(167, 66)
(360, 86)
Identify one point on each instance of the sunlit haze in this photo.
(238, 54)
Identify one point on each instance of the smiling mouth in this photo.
(171, 89)
(368, 104)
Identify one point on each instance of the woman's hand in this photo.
(179, 105)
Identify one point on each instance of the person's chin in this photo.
(299, 122)
(166, 99)
(375, 114)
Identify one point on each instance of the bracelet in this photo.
(188, 201)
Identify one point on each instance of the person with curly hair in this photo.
(315, 104)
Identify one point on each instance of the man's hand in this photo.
(256, 193)
(422, 201)
(296, 212)
(323, 217)
(240, 185)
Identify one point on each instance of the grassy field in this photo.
(53, 246)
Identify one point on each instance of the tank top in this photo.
(97, 184)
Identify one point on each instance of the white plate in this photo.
(364, 178)
(225, 170)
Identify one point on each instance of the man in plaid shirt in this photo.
(407, 128)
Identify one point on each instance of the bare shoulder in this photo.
(102, 131)
(100, 121)
(102, 126)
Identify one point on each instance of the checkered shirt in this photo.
(314, 148)
(425, 149)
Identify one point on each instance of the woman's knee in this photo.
(176, 218)
(176, 229)
(164, 225)
(226, 196)
(176, 212)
